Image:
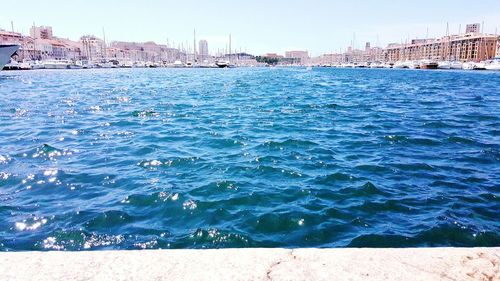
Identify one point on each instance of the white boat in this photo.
(178, 64)
(450, 65)
(468, 66)
(105, 64)
(400, 64)
(444, 65)
(6, 51)
(33, 64)
(140, 64)
(493, 64)
(456, 65)
(25, 65)
(474, 66)
(84, 64)
(127, 64)
(413, 64)
(56, 64)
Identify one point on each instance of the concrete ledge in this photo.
(256, 264)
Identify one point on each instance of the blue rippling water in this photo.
(178, 158)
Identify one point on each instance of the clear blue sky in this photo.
(257, 26)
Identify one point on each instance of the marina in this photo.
(470, 50)
(261, 140)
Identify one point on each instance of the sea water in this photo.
(220, 158)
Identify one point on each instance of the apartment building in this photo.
(467, 47)
(300, 56)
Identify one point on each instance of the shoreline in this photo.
(256, 264)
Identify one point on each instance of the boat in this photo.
(474, 66)
(178, 64)
(493, 64)
(12, 65)
(413, 64)
(400, 64)
(127, 64)
(376, 65)
(455, 65)
(388, 65)
(450, 65)
(222, 64)
(84, 64)
(31, 65)
(56, 64)
(480, 66)
(6, 51)
(468, 65)
(426, 64)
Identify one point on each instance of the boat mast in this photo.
(194, 47)
(104, 50)
(34, 42)
(447, 49)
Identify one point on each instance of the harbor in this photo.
(469, 50)
(261, 140)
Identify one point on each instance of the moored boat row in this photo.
(69, 64)
(493, 64)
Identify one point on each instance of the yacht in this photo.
(450, 65)
(178, 64)
(474, 66)
(400, 64)
(127, 64)
(222, 64)
(493, 64)
(6, 51)
(413, 64)
(376, 65)
(427, 64)
(56, 64)
(469, 65)
(388, 65)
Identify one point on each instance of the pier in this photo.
(256, 264)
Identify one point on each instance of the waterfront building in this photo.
(467, 47)
(41, 32)
(473, 28)
(147, 51)
(203, 49)
(373, 54)
(301, 57)
(93, 48)
(273, 56)
(7, 37)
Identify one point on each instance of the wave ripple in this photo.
(205, 158)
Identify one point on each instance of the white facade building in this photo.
(203, 49)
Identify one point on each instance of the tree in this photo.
(268, 60)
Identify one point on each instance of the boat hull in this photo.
(6, 51)
(429, 66)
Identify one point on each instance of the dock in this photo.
(256, 264)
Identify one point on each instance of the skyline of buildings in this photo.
(41, 44)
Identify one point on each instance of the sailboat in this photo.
(225, 63)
